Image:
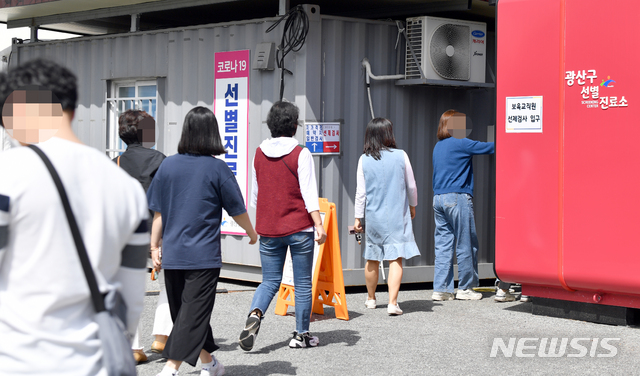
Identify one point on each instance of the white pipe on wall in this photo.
(367, 67)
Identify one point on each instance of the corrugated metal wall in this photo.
(182, 62)
(415, 111)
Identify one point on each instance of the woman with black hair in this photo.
(386, 196)
(187, 195)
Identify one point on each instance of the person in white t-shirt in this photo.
(47, 322)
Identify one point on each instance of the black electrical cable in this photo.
(295, 32)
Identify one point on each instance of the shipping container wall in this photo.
(328, 84)
(415, 112)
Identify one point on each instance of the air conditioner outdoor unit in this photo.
(446, 49)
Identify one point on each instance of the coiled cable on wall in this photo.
(295, 32)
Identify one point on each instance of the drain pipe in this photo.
(369, 75)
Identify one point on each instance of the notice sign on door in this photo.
(524, 115)
(322, 138)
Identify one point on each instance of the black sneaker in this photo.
(250, 332)
(303, 340)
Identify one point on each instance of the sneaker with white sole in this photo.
(217, 369)
(370, 303)
(525, 298)
(303, 340)
(504, 296)
(468, 294)
(440, 296)
(394, 310)
(250, 332)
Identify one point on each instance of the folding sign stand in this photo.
(328, 282)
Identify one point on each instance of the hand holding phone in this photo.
(352, 231)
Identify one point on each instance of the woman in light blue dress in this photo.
(386, 196)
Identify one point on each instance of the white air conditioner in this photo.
(446, 49)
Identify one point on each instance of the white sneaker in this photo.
(216, 370)
(525, 298)
(504, 296)
(394, 310)
(303, 340)
(370, 303)
(468, 294)
(440, 296)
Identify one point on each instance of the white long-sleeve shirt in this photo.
(281, 146)
(361, 188)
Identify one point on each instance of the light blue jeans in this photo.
(273, 252)
(455, 227)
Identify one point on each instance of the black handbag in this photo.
(111, 310)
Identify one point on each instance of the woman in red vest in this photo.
(285, 195)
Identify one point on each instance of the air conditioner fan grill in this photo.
(449, 51)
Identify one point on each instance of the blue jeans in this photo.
(455, 226)
(273, 252)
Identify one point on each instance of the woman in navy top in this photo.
(453, 208)
(187, 195)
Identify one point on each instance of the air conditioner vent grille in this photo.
(415, 39)
(449, 51)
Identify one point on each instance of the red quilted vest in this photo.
(280, 210)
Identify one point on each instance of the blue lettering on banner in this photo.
(231, 95)
(231, 126)
(231, 145)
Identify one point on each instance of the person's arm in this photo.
(245, 222)
(361, 191)
(412, 189)
(133, 263)
(321, 235)
(360, 201)
(307, 181)
(477, 147)
(233, 203)
(156, 237)
(4, 225)
(309, 191)
(254, 186)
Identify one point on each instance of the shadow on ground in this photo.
(263, 369)
(521, 307)
(330, 314)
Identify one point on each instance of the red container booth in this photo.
(568, 149)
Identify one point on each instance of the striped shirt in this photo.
(46, 315)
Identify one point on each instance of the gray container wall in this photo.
(182, 62)
(415, 111)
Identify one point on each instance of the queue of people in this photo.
(178, 225)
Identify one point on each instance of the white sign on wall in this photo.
(524, 115)
(322, 138)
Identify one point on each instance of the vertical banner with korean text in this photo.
(231, 107)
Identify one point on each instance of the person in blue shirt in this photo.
(453, 208)
(187, 195)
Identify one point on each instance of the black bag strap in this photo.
(96, 297)
(289, 168)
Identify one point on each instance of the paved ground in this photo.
(431, 338)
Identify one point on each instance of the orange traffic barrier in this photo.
(328, 281)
